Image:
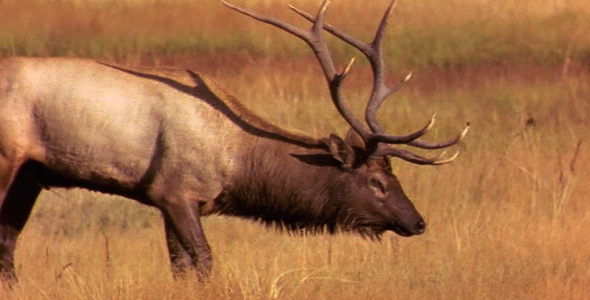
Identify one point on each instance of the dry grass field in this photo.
(507, 220)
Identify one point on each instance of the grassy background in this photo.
(507, 220)
(425, 33)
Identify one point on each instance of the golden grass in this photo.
(507, 220)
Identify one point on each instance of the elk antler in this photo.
(374, 135)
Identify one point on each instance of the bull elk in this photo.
(174, 140)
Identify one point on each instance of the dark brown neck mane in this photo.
(295, 189)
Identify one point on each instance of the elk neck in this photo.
(286, 184)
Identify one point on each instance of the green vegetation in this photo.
(425, 34)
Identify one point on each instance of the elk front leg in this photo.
(180, 261)
(183, 226)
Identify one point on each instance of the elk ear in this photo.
(355, 140)
(341, 151)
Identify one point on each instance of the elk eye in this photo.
(377, 186)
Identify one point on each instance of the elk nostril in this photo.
(420, 226)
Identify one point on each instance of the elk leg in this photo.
(180, 261)
(186, 227)
(15, 210)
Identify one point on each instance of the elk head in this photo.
(375, 201)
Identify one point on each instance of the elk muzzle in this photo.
(410, 226)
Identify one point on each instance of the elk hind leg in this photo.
(19, 193)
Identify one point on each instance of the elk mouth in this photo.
(377, 231)
(401, 231)
(375, 228)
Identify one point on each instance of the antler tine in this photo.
(300, 33)
(379, 34)
(415, 158)
(402, 139)
(349, 39)
(375, 103)
(320, 19)
(439, 145)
